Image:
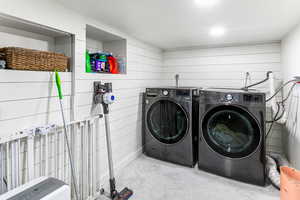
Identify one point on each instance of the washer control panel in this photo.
(181, 93)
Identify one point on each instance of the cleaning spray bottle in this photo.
(88, 67)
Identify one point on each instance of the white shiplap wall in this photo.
(225, 67)
(30, 99)
(291, 68)
(143, 70)
(29, 96)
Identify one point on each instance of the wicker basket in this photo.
(28, 59)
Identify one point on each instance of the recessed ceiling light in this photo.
(206, 3)
(217, 31)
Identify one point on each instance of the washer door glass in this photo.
(231, 131)
(167, 121)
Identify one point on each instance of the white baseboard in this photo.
(128, 159)
(104, 179)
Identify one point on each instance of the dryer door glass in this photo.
(167, 121)
(231, 131)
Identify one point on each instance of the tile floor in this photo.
(156, 180)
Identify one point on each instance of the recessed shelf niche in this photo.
(16, 32)
(98, 40)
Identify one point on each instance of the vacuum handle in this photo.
(108, 87)
(58, 85)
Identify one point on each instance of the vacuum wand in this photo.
(103, 94)
(112, 181)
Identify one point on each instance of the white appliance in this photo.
(43, 188)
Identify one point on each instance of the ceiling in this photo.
(172, 24)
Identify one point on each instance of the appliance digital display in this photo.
(183, 92)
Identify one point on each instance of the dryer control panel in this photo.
(252, 98)
(232, 97)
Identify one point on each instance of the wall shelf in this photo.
(98, 40)
(16, 32)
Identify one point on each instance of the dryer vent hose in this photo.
(274, 162)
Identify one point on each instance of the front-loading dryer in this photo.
(232, 134)
(171, 124)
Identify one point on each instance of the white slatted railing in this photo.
(42, 151)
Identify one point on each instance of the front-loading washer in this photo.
(170, 124)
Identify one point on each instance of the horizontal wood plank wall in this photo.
(290, 68)
(30, 98)
(291, 141)
(144, 65)
(226, 67)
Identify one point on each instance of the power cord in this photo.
(273, 121)
(279, 89)
(246, 88)
(276, 118)
(289, 93)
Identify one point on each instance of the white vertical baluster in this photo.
(5, 165)
(50, 153)
(64, 158)
(94, 158)
(89, 158)
(40, 155)
(61, 156)
(35, 155)
(78, 157)
(30, 157)
(77, 152)
(72, 147)
(68, 165)
(56, 152)
(3, 188)
(16, 162)
(1, 170)
(19, 162)
(8, 166)
(97, 136)
(86, 138)
(46, 141)
(22, 162)
(59, 160)
(82, 127)
(53, 153)
(13, 164)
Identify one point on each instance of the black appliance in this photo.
(232, 134)
(171, 124)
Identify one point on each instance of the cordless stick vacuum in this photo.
(103, 94)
